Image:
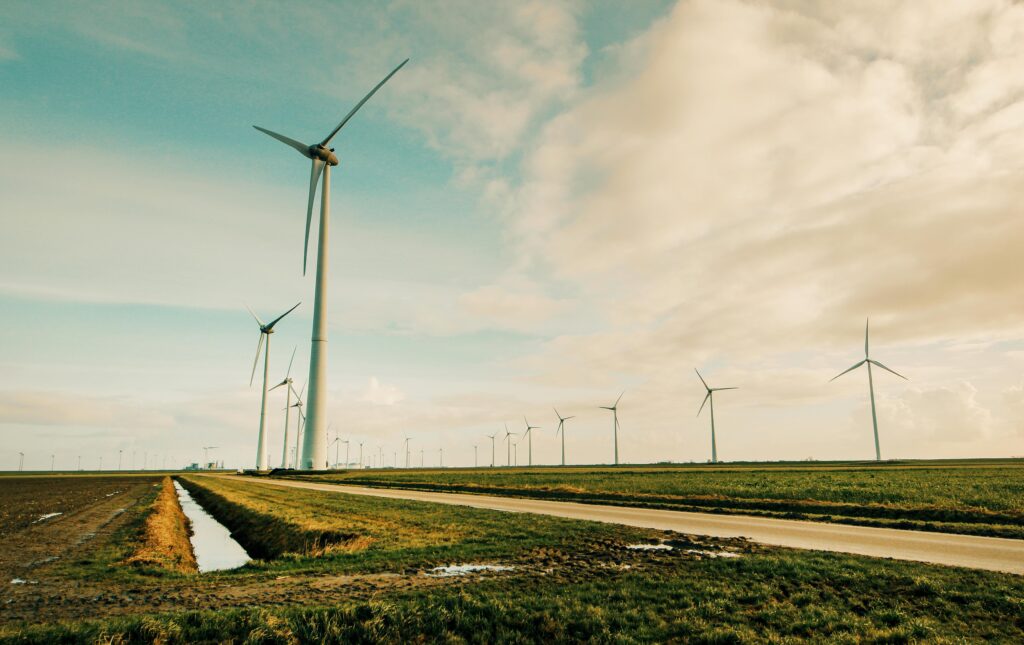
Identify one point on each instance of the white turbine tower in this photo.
(491, 437)
(314, 450)
(710, 396)
(508, 445)
(298, 430)
(561, 429)
(615, 414)
(529, 433)
(287, 382)
(262, 461)
(871, 386)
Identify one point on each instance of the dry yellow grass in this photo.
(165, 542)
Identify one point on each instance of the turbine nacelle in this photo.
(322, 153)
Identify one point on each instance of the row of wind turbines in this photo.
(528, 431)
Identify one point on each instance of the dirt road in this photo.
(992, 554)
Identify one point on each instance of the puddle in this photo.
(43, 518)
(650, 547)
(463, 569)
(714, 554)
(212, 543)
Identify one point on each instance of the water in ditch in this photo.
(212, 543)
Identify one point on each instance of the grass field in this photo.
(341, 568)
(974, 497)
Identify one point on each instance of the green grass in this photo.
(385, 535)
(574, 582)
(773, 597)
(976, 497)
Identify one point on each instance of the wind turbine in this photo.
(508, 445)
(615, 414)
(710, 396)
(313, 449)
(491, 437)
(406, 452)
(529, 431)
(287, 407)
(262, 462)
(871, 386)
(476, 461)
(561, 428)
(21, 461)
(298, 430)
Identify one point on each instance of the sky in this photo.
(551, 204)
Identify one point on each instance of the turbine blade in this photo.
(702, 379)
(301, 147)
(874, 362)
(303, 390)
(277, 386)
(618, 399)
(275, 320)
(716, 389)
(867, 321)
(706, 397)
(567, 418)
(259, 348)
(360, 103)
(314, 177)
(848, 370)
(258, 321)
(290, 361)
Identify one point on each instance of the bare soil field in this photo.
(28, 499)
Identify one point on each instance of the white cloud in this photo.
(378, 393)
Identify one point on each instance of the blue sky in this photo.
(552, 203)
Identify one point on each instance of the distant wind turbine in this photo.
(508, 445)
(491, 437)
(287, 383)
(615, 414)
(322, 157)
(710, 396)
(871, 386)
(262, 461)
(298, 430)
(561, 429)
(529, 433)
(407, 451)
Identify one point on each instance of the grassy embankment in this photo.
(973, 497)
(163, 542)
(610, 594)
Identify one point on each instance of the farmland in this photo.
(971, 497)
(356, 569)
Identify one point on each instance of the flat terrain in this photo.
(350, 568)
(983, 497)
(976, 552)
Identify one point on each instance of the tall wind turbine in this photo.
(407, 451)
(508, 445)
(287, 382)
(491, 437)
(313, 448)
(871, 386)
(710, 396)
(262, 461)
(529, 432)
(615, 414)
(561, 428)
